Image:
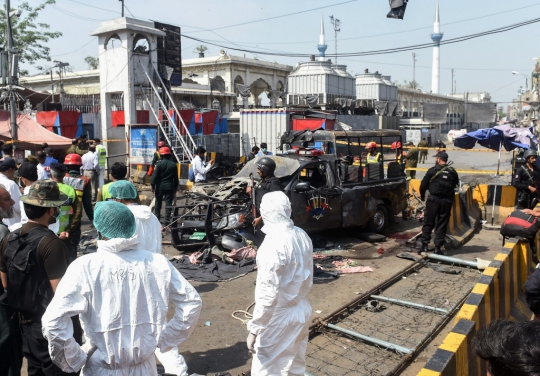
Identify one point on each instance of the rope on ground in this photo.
(248, 316)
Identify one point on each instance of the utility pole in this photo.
(452, 81)
(61, 70)
(414, 68)
(122, 1)
(13, 80)
(336, 24)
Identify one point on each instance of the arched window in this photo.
(141, 44)
(113, 42)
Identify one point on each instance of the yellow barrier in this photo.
(498, 294)
(505, 201)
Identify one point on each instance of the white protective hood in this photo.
(285, 274)
(122, 297)
(148, 228)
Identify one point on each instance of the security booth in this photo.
(414, 130)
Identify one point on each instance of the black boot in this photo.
(438, 250)
(424, 249)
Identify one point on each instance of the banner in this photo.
(142, 145)
(435, 113)
(481, 112)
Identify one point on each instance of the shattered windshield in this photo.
(284, 167)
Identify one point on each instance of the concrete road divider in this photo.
(498, 294)
(505, 201)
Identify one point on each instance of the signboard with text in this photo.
(142, 145)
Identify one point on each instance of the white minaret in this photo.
(322, 45)
(436, 37)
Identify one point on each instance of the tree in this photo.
(93, 62)
(201, 50)
(29, 35)
(412, 85)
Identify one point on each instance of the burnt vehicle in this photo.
(325, 176)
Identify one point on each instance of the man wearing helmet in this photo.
(526, 181)
(400, 157)
(269, 183)
(165, 183)
(373, 156)
(82, 187)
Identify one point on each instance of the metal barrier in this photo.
(498, 294)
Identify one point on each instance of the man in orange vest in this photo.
(82, 187)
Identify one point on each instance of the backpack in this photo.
(520, 224)
(191, 174)
(30, 291)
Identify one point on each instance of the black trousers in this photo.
(11, 355)
(36, 349)
(436, 216)
(169, 197)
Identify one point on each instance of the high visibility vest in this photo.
(102, 156)
(66, 210)
(78, 184)
(105, 195)
(373, 158)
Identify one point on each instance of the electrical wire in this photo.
(84, 45)
(76, 15)
(380, 52)
(248, 316)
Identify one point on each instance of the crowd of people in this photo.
(105, 313)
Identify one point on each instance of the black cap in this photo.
(8, 163)
(60, 167)
(442, 154)
(28, 171)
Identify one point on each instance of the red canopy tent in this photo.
(30, 133)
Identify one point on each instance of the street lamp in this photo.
(526, 79)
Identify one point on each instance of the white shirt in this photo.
(41, 173)
(90, 161)
(15, 193)
(199, 169)
(124, 332)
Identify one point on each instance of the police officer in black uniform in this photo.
(269, 183)
(526, 181)
(440, 181)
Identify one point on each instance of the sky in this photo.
(292, 26)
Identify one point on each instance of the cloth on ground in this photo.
(213, 272)
(243, 253)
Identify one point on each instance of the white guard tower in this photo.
(127, 48)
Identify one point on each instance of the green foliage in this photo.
(412, 85)
(29, 35)
(201, 49)
(93, 62)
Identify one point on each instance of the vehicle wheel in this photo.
(379, 221)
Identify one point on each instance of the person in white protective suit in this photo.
(278, 332)
(121, 294)
(149, 233)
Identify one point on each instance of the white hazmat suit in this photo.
(285, 274)
(149, 234)
(121, 295)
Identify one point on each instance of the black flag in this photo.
(397, 9)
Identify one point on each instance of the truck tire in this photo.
(379, 221)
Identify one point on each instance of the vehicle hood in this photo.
(284, 167)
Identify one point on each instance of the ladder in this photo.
(182, 145)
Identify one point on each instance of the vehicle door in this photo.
(315, 198)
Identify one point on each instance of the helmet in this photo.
(371, 145)
(73, 160)
(396, 145)
(529, 153)
(160, 144)
(164, 150)
(266, 165)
